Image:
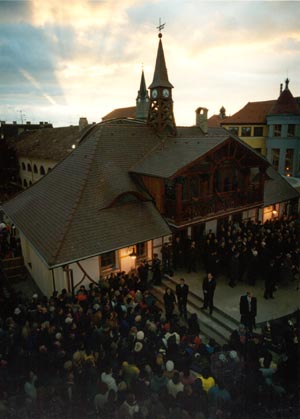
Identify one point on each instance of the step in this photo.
(15, 271)
(209, 328)
(196, 301)
(12, 262)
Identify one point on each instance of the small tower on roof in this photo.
(142, 100)
(161, 115)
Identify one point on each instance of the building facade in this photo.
(129, 185)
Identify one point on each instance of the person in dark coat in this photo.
(234, 269)
(169, 300)
(248, 310)
(177, 253)
(208, 287)
(156, 270)
(182, 291)
(270, 274)
(192, 257)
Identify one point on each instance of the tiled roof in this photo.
(286, 104)
(277, 188)
(48, 143)
(215, 121)
(252, 113)
(67, 216)
(174, 153)
(129, 112)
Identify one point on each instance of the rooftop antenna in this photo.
(21, 116)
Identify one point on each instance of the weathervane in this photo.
(160, 27)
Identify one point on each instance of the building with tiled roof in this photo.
(272, 128)
(129, 112)
(250, 124)
(283, 142)
(128, 185)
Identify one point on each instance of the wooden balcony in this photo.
(214, 204)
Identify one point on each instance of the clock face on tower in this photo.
(166, 93)
(154, 93)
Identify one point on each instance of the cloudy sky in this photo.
(62, 59)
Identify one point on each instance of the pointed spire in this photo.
(142, 100)
(143, 92)
(286, 103)
(160, 78)
(161, 115)
(287, 84)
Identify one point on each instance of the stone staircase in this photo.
(14, 269)
(218, 326)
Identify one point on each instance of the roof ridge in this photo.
(75, 206)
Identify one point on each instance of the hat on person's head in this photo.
(68, 320)
(58, 336)
(169, 365)
(140, 335)
(68, 365)
(222, 357)
(138, 318)
(138, 347)
(233, 354)
(17, 311)
(122, 386)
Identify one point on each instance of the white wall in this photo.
(91, 267)
(36, 267)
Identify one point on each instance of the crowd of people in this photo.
(110, 351)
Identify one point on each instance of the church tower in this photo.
(142, 100)
(161, 115)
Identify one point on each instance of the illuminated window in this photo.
(289, 157)
(246, 132)
(275, 158)
(234, 130)
(258, 131)
(291, 130)
(277, 130)
(108, 260)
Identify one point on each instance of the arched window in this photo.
(49, 169)
(25, 183)
(42, 170)
(23, 166)
(29, 167)
(35, 169)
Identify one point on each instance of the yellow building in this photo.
(250, 124)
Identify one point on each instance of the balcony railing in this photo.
(211, 204)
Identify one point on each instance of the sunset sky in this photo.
(60, 59)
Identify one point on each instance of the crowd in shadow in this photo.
(108, 351)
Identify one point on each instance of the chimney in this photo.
(281, 87)
(41, 123)
(28, 123)
(83, 123)
(201, 119)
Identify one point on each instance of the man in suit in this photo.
(248, 310)
(182, 291)
(208, 287)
